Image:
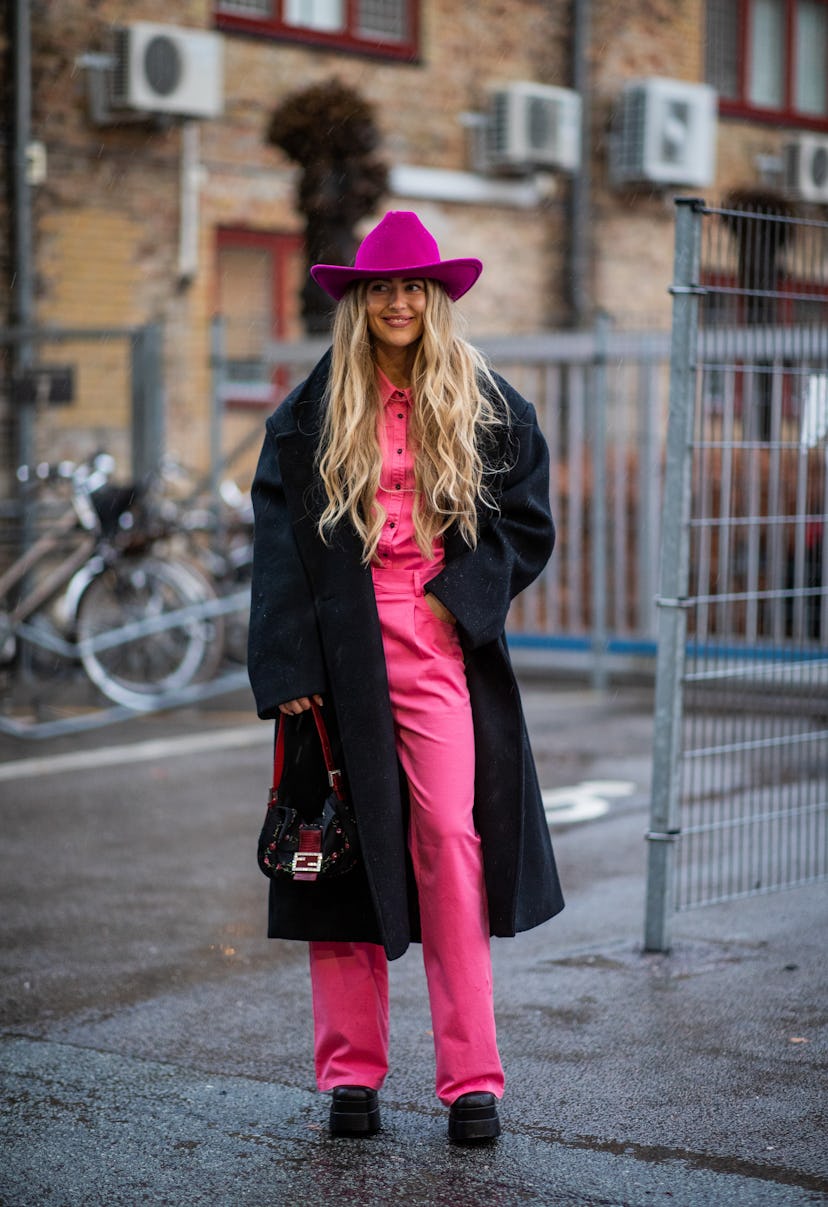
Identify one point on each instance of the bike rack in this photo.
(230, 681)
(158, 624)
(193, 693)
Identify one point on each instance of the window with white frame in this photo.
(388, 28)
(769, 59)
(325, 15)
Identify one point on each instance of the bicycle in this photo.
(89, 591)
(213, 535)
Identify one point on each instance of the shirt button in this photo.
(399, 414)
(399, 450)
(398, 486)
(392, 525)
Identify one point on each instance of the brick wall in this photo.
(107, 218)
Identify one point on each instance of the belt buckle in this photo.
(307, 861)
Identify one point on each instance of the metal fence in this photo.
(601, 397)
(740, 768)
(601, 400)
(115, 372)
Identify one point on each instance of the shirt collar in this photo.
(387, 390)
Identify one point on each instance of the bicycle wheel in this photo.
(137, 672)
(237, 623)
(204, 591)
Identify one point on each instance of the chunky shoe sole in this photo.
(354, 1111)
(472, 1118)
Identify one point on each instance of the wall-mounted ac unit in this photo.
(166, 69)
(806, 167)
(534, 126)
(664, 131)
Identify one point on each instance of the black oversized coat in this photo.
(314, 628)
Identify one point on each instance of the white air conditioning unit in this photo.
(664, 131)
(534, 126)
(166, 69)
(806, 167)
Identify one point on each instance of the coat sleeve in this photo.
(284, 653)
(514, 544)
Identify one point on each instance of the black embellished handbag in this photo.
(307, 839)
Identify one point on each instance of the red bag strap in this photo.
(334, 774)
(279, 754)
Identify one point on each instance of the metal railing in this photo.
(601, 398)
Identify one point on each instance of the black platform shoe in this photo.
(473, 1117)
(354, 1111)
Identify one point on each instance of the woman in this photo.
(402, 501)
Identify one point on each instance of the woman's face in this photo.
(395, 311)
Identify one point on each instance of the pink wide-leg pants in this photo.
(435, 745)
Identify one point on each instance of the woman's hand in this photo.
(439, 609)
(292, 708)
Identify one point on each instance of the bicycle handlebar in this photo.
(86, 475)
(96, 510)
(85, 478)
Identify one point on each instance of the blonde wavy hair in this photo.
(451, 419)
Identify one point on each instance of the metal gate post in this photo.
(672, 617)
(147, 401)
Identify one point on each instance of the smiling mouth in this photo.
(398, 321)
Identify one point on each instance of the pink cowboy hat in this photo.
(399, 246)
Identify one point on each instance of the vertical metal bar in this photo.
(697, 850)
(574, 458)
(532, 596)
(647, 526)
(618, 518)
(752, 504)
(776, 559)
(147, 401)
(218, 376)
(552, 420)
(672, 622)
(726, 494)
(599, 504)
(700, 550)
(22, 288)
(138, 355)
(799, 579)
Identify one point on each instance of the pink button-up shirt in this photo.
(397, 547)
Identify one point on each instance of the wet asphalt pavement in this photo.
(156, 1048)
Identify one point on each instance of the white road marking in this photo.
(584, 801)
(137, 752)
